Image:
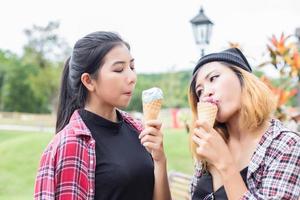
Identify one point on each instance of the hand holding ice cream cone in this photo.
(151, 137)
(207, 112)
(152, 101)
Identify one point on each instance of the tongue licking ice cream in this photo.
(152, 101)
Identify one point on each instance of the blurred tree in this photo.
(46, 50)
(44, 45)
(29, 83)
(18, 95)
(7, 60)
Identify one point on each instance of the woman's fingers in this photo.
(149, 131)
(152, 146)
(202, 146)
(203, 124)
(201, 133)
(154, 123)
(151, 138)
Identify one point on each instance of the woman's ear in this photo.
(87, 82)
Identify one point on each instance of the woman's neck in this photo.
(240, 133)
(107, 112)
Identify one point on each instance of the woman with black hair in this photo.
(99, 151)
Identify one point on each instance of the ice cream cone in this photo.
(152, 101)
(207, 112)
(151, 109)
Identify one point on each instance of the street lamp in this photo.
(202, 28)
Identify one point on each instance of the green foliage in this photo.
(17, 93)
(45, 86)
(30, 83)
(7, 60)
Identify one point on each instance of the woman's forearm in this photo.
(233, 183)
(161, 184)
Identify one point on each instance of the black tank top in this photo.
(204, 188)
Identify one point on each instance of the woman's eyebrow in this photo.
(122, 62)
(206, 77)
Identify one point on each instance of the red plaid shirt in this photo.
(273, 172)
(67, 166)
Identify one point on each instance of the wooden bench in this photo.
(179, 185)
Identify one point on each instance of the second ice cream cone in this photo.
(207, 112)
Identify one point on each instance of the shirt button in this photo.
(91, 162)
(91, 190)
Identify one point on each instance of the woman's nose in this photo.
(131, 76)
(207, 92)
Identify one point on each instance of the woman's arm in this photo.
(212, 147)
(161, 184)
(61, 174)
(152, 138)
(233, 182)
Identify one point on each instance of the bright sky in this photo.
(158, 31)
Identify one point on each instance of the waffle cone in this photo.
(151, 109)
(207, 112)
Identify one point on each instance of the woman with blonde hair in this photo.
(246, 154)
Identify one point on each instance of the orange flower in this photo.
(282, 95)
(279, 45)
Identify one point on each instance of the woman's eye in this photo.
(132, 68)
(118, 70)
(213, 78)
(198, 93)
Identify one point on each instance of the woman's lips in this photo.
(128, 93)
(211, 100)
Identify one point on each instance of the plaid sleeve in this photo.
(72, 171)
(281, 180)
(44, 182)
(196, 176)
(64, 174)
(137, 124)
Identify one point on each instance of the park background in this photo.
(37, 36)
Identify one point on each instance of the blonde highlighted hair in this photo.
(258, 104)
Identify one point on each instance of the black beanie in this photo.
(232, 56)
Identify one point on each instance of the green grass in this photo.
(177, 151)
(20, 154)
(19, 158)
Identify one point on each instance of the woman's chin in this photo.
(221, 119)
(123, 105)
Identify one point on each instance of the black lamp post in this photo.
(202, 28)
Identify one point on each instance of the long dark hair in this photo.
(87, 57)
